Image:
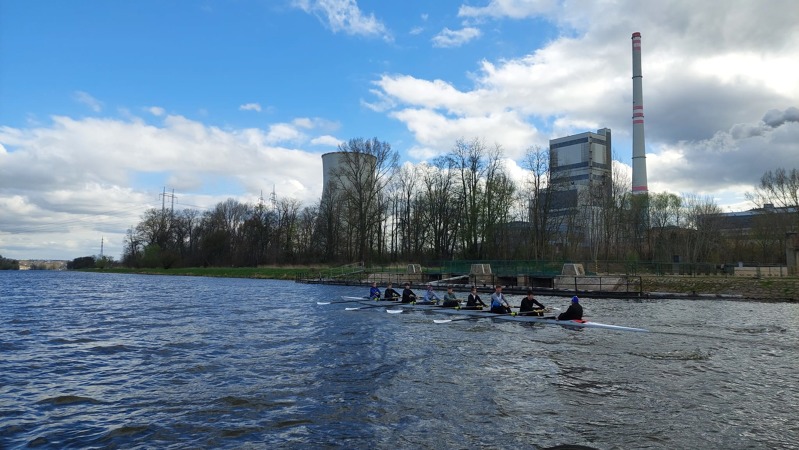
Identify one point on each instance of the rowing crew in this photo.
(531, 306)
(499, 305)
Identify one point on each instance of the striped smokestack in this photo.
(639, 149)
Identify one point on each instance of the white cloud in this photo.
(156, 111)
(709, 73)
(515, 9)
(455, 38)
(250, 107)
(94, 177)
(345, 16)
(327, 140)
(729, 159)
(85, 98)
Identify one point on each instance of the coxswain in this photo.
(575, 311)
(498, 303)
(530, 306)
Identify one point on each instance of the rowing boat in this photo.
(515, 317)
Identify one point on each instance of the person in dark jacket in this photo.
(575, 311)
(531, 306)
(390, 293)
(474, 301)
(407, 294)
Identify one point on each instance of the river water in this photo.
(93, 360)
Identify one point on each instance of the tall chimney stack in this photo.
(639, 149)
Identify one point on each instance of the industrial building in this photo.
(580, 168)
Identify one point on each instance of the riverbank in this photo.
(765, 289)
(699, 287)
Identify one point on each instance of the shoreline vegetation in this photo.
(784, 289)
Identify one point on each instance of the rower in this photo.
(498, 303)
(530, 306)
(575, 311)
(474, 301)
(408, 296)
(430, 297)
(450, 299)
(374, 292)
(390, 293)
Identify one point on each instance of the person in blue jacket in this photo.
(498, 303)
(374, 292)
(430, 296)
(575, 311)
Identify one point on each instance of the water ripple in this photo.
(140, 362)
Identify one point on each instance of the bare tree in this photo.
(469, 160)
(703, 217)
(367, 168)
(779, 187)
(664, 216)
(539, 200)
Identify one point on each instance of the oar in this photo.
(462, 318)
(363, 307)
(343, 301)
(530, 313)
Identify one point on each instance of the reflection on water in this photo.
(129, 361)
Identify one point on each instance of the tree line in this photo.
(8, 264)
(462, 205)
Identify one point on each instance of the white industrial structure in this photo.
(581, 174)
(337, 167)
(639, 148)
(581, 165)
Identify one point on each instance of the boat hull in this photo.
(479, 314)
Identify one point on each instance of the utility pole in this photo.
(101, 246)
(164, 195)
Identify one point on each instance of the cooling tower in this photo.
(338, 167)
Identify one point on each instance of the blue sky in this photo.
(104, 104)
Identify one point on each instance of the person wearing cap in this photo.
(450, 299)
(408, 296)
(390, 293)
(474, 301)
(374, 292)
(430, 296)
(530, 306)
(498, 303)
(575, 311)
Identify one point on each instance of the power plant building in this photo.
(581, 177)
(339, 168)
(580, 168)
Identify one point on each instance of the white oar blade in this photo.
(442, 320)
(351, 309)
(322, 303)
(394, 311)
